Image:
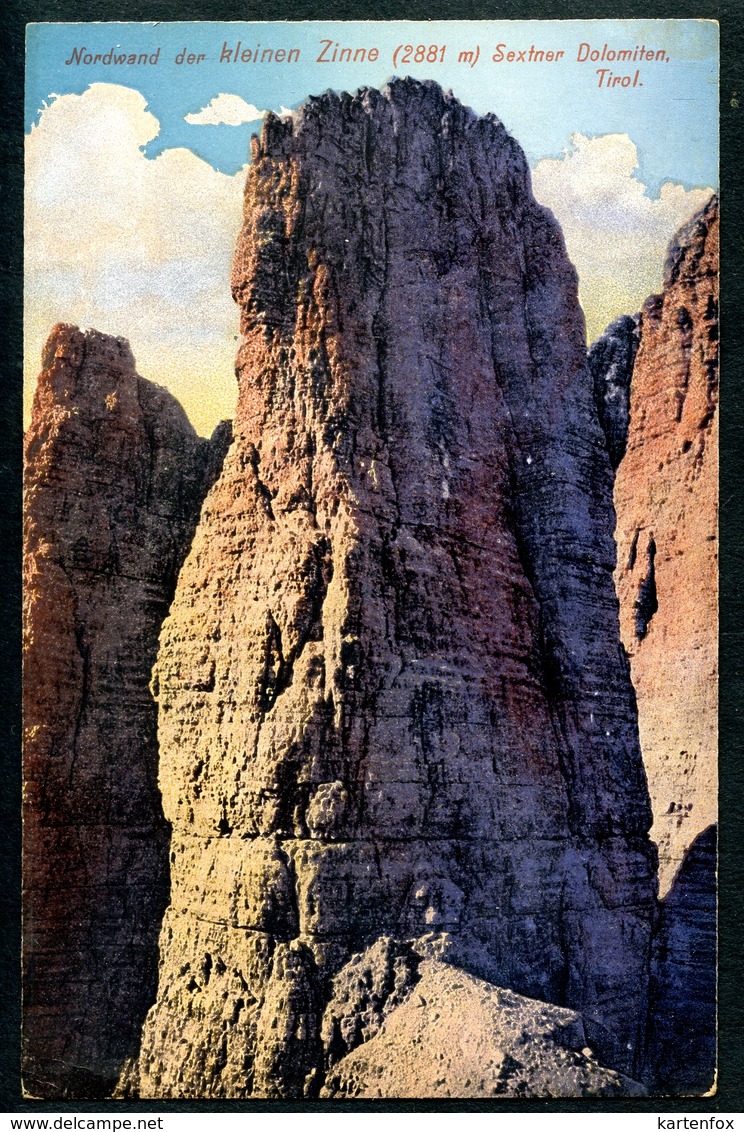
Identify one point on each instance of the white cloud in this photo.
(225, 110)
(616, 234)
(132, 246)
(142, 248)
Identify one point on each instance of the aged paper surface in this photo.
(370, 699)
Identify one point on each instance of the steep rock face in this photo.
(667, 574)
(682, 1047)
(667, 579)
(392, 697)
(611, 359)
(114, 479)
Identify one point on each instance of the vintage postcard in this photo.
(370, 560)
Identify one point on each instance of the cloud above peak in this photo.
(616, 234)
(141, 247)
(225, 110)
(131, 245)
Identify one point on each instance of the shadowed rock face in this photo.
(114, 480)
(667, 574)
(392, 696)
(682, 1049)
(611, 359)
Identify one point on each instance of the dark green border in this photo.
(730, 14)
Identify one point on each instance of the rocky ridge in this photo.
(392, 695)
(114, 479)
(454, 1035)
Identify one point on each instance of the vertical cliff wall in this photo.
(667, 576)
(114, 479)
(392, 696)
(667, 579)
(682, 1046)
(611, 360)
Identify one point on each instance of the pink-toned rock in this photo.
(392, 695)
(114, 479)
(666, 496)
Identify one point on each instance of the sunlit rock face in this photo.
(392, 694)
(114, 479)
(402, 1023)
(666, 497)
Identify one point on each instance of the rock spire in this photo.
(392, 695)
(114, 478)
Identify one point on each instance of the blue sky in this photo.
(542, 104)
(157, 198)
